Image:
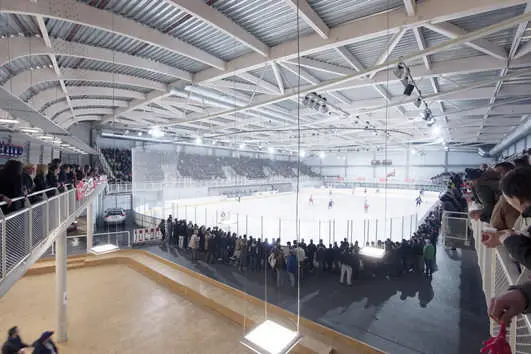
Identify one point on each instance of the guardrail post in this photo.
(261, 225)
(391, 229)
(403, 227)
(90, 226)
(329, 231)
(247, 224)
(28, 226)
(60, 286)
(319, 229)
(376, 231)
(3, 266)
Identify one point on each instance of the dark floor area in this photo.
(402, 315)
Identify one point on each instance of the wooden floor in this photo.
(114, 309)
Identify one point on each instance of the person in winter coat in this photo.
(27, 178)
(504, 215)
(321, 255)
(51, 179)
(45, 345)
(40, 178)
(11, 184)
(346, 266)
(13, 344)
(162, 228)
(292, 265)
(485, 188)
(194, 245)
(429, 258)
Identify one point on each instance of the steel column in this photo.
(60, 287)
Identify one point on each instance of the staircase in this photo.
(105, 164)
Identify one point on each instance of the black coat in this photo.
(39, 348)
(13, 345)
(27, 183)
(40, 182)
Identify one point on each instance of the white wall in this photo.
(417, 166)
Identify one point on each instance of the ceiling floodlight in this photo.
(156, 132)
(31, 130)
(418, 102)
(139, 134)
(302, 153)
(213, 142)
(242, 146)
(198, 141)
(9, 121)
(103, 249)
(436, 130)
(401, 71)
(271, 150)
(45, 137)
(408, 90)
(271, 338)
(322, 154)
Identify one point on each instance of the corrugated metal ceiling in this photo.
(337, 12)
(88, 64)
(91, 36)
(271, 21)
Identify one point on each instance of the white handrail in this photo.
(26, 234)
(498, 272)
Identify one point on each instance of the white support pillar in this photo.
(90, 226)
(60, 287)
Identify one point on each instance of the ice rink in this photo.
(391, 214)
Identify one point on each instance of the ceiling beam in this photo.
(278, 77)
(61, 106)
(312, 19)
(44, 33)
(238, 86)
(23, 80)
(350, 58)
(323, 66)
(452, 31)
(390, 47)
(18, 47)
(208, 14)
(52, 94)
(411, 6)
(422, 45)
(86, 15)
(260, 83)
(334, 83)
(355, 31)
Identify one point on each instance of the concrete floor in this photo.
(114, 309)
(403, 315)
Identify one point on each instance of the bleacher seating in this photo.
(202, 167)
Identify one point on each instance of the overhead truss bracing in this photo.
(235, 74)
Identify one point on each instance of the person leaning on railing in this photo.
(516, 187)
(11, 185)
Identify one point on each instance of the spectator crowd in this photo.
(204, 167)
(346, 260)
(120, 162)
(20, 180)
(500, 198)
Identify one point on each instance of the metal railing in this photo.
(27, 233)
(77, 244)
(498, 272)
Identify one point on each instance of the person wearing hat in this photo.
(13, 344)
(486, 190)
(45, 345)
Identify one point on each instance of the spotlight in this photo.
(156, 132)
(418, 102)
(271, 150)
(198, 141)
(436, 130)
(322, 154)
(323, 109)
(242, 146)
(408, 90)
(426, 114)
(306, 101)
(139, 133)
(302, 153)
(126, 132)
(430, 122)
(400, 71)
